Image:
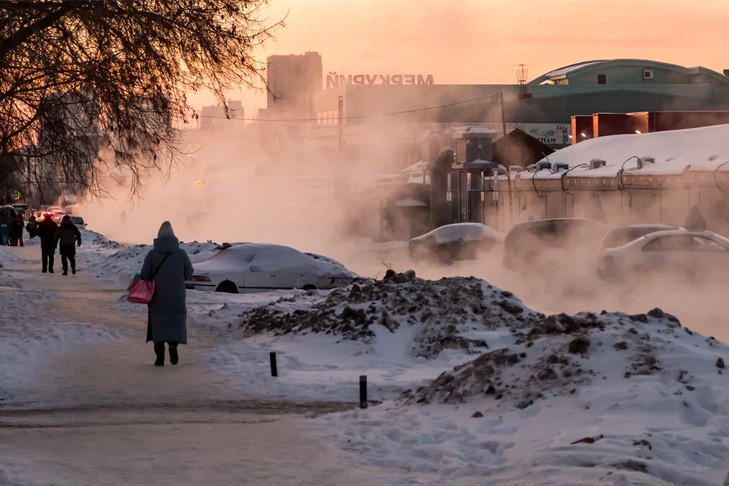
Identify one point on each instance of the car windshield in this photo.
(560, 230)
(235, 255)
(276, 258)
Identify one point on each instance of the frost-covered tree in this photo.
(80, 75)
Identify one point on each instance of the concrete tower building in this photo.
(291, 81)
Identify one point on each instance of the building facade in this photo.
(543, 108)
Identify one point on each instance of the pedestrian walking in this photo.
(32, 227)
(47, 232)
(68, 236)
(15, 232)
(169, 266)
(695, 221)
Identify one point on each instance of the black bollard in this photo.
(274, 369)
(363, 391)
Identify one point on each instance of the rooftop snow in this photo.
(703, 149)
(568, 69)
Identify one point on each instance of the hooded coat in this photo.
(695, 221)
(16, 226)
(47, 232)
(168, 311)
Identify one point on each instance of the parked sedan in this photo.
(251, 267)
(620, 235)
(546, 245)
(693, 254)
(459, 241)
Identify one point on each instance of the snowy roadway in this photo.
(80, 402)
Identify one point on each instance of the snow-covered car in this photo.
(459, 241)
(255, 267)
(620, 235)
(680, 252)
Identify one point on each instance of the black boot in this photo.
(159, 350)
(174, 358)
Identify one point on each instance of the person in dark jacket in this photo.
(47, 233)
(695, 221)
(15, 235)
(68, 236)
(32, 227)
(6, 215)
(169, 266)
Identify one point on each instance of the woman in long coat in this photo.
(169, 266)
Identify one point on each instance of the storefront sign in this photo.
(334, 80)
(549, 133)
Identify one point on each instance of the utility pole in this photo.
(508, 163)
(503, 120)
(341, 125)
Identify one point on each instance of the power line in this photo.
(494, 97)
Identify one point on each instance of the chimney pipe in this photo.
(726, 72)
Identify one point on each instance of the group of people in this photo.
(64, 236)
(11, 227)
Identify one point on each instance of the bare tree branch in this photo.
(80, 78)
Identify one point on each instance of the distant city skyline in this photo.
(483, 41)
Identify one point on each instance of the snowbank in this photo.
(449, 313)
(584, 399)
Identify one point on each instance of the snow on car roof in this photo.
(699, 149)
(461, 232)
(649, 225)
(269, 257)
(679, 232)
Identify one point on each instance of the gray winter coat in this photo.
(167, 312)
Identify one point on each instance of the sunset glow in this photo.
(477, 41)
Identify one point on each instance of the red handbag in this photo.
(142, 291)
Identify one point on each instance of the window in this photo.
(602, 79)
(683, 243)
(705, 244)
(669, 243)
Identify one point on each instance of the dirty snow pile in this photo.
(112, 260)
(451, 313)
(557, 356)
(585, 399)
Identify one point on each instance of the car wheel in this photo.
(309, 287)
(227, 286)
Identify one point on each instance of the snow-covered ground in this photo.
(467, 384)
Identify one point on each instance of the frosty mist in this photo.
(226, 189)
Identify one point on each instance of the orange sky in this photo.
(483, 41)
